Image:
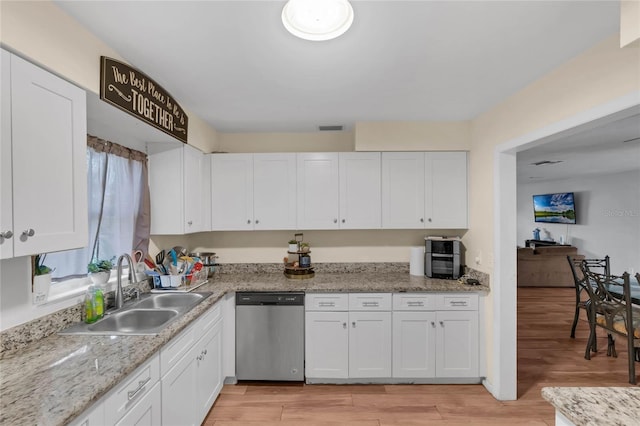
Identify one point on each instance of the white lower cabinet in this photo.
(146, 412)
(343, 342)
(358, 336)
(192, 382)
(436, 338)
(327, 345)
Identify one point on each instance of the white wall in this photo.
(607, 212)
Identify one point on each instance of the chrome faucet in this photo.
(132, 278)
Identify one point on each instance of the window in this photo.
(118, 198)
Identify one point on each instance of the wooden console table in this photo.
(546, 266)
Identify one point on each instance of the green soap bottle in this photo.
(89, 309)
(98, 303)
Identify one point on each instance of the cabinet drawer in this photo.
(326, 302)
(458, 302)
(131, 391)
(370, 301)
(173, 351)
(208, 319)
(414, 302)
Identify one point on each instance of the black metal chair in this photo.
(613, 312)
(582, 299)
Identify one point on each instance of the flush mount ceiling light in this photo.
(317, 19)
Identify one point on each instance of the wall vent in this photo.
(333, 128)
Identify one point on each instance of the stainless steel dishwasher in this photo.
(270, 336)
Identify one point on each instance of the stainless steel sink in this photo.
(169, 301)
(147, 316)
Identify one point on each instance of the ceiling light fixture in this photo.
(317, 20)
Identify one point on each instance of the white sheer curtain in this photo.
(124, 187)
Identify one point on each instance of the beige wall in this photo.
(44, 34)
(630, 24)
(286, 142)
(413, 136)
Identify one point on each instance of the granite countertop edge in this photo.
(55, 379)
(596, 406)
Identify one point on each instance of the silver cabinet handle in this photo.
(370, 304)
(190, 223)
(422, 220)
(353, 324)
(335, 220)
(344, 325)
(442, 323)
(200, 357)
(415, 303)
(326, 304)
(6, 234)
(458, 303)
(429, 219)
(343, 220)
(29, 233)
(248, 221)
(257, 221)
(205, 352)
(433, 323)
(141, 384)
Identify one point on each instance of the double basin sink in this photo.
(147, 316)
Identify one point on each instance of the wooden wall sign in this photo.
(134, 92)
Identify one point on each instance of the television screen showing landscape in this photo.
(554, 208)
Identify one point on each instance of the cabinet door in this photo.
(457, 344)
(414, 338)
(179, 391)
(232, 192)
(318, 190)
(193, 189)
(327, 345)
(403, 190)
(49, 144)
(6, 190)
(147, 412)
(446, 190)
(369, 344)
(209, 372)
(166, 187)
(274, 191)
(360, 190)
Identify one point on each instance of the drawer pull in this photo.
(458, 303)
(415, 303)
(344, 325)
(326, 304)
(370, 304)
(141, 384)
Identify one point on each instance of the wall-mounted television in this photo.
(554, 208)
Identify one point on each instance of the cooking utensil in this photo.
(180, 251)
(173, 257)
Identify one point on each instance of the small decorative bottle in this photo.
(89, 307)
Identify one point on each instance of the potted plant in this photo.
(304, 247)
(100, 270)
(293, 246)
(41, 279)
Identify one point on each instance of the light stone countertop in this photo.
(53, 380)
(596, 406)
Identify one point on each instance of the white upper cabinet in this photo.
(424, 190)
(232, 192)
(446, 190)
(318, 190)
(274, 191)
(253, 191)
(403, 190)
(43, 158)
(360, 190)
(176, 183)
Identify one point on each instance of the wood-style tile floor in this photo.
(546, 357)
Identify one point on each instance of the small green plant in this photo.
(39, 267)
(100, 266)
(293, 242)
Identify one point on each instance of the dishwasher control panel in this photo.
(269, 298)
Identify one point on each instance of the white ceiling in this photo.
(234, 65)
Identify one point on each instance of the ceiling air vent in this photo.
(334, 128)
(545, 162)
